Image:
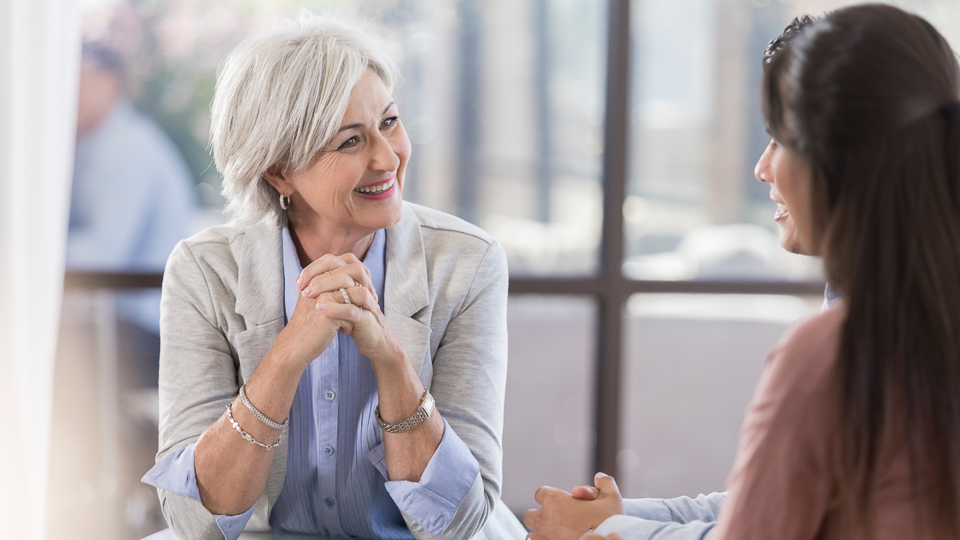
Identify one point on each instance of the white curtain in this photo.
(39, 68)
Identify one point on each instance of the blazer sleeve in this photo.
(469, 381)
(198, 378)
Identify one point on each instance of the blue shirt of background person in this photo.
(133, 196)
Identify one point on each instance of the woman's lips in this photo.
(383, 190)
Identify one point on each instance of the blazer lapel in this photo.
(405, 290)
(260, 275)
(259, 294)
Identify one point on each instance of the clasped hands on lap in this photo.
(568, 516)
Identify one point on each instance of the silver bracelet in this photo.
(260, 416)
(247, 437)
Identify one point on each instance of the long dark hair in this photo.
(868, 96)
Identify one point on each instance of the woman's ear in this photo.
(276, 176)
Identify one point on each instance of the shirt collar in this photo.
(374, 261)
(830, 294)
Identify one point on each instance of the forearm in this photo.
(704, 508)
(399, 391)
(232, 472)
(631, 528)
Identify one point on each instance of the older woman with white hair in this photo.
(333, 361)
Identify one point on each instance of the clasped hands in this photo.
(567, 516)
(321, 310)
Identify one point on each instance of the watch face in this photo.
(428, 404)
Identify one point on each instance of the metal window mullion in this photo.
(613, 291)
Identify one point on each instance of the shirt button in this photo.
(330, 395)
(328, 450)
(328, 501)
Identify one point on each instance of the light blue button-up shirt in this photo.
(336, 481)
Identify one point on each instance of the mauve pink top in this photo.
(784, 484)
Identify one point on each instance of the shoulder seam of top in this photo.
(447, 229)
(218, 242)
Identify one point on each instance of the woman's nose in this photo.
(762, 169)
(384, 158)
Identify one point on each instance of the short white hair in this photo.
(280, 98)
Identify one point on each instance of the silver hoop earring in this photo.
(284, 201)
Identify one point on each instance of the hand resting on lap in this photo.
(563, 516)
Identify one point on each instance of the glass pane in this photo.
(548, 436)
(503, 102)
(691, 363)
(694, 210)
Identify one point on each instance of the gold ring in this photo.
(346, 298)
(356, 283)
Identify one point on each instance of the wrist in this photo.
(391, 359)
(290, 353)
(280, 367)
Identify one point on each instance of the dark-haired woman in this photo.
(854, 430)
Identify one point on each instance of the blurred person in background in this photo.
(853, 431)
(334, 360)
(132, 201)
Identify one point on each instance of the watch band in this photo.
(423, 412)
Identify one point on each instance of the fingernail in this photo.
(321, 306)
(305, 291)
(298, 280)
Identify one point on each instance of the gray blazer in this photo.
(445, 298)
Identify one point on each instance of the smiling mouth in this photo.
(377, 188)
(781, 214)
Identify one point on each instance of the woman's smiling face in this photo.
(353, 184)
(789, 177)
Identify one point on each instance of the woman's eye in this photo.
(349, 143)
(390, 122)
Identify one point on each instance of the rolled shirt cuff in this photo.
(176, 473)
(433, 501)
